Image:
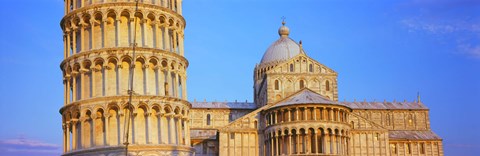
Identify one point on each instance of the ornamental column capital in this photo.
(73, 121)
(94, 22)
(83, 25)
(147, 114)
(107, 67)
(74, 73)
(83, 70)
(96, 69)
(142, 21)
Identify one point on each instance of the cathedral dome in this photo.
(282, 49)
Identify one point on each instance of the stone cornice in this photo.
(121, 99)
(119, 50)
(131, 148)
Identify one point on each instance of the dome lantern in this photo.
(283, 31)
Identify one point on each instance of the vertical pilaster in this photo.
(179, 130)
(277, 149)
(104, 34)
(65, 45)
(160, 129)
(184, 85)
(307, 140)
(148, 131)
(131, 24)
(305, 110)
(65, 91)
(106, 140)
(181, 44)
(146, 75)
(64, 137)
(290, 146)
(176, 86)
(82, 37)
(82, 85)
(74, 88)
(74, 135)
(167, 39)
(117, 31)
(169, 82)
(68, 135)
(142, 32)
(184, 132)
(74, 43)
(93, 23)
(175, 41)
(316, 139)
(74, 5)
(326, 141)
(179, 8)
(271, 144)
(157, 34)
(94, 72)
(171, 130)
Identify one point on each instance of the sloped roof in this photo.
(413, 135)
(226, 105)
(203, 134)
(385, 105)
(305, 96)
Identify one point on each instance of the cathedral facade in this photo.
(295, 111)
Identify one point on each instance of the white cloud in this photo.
(472, 50)
(23, 146)
(27, 142)
(450, 21)
(444, 26)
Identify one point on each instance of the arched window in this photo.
(302, 84)
(410, 120)
(277, 85)
(310, 67)
(387, 120)
(208, 119)
(291, 67)
(327, 85)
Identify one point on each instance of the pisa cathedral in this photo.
(295, 110)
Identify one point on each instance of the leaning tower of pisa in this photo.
(98, 39)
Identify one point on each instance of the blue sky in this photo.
(382, 50)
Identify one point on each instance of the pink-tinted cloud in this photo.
(24, 147)
(26, 142)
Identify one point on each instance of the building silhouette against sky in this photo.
(296, 110)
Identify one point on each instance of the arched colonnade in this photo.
(104, 126)
(108, 28)
(99, 77)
